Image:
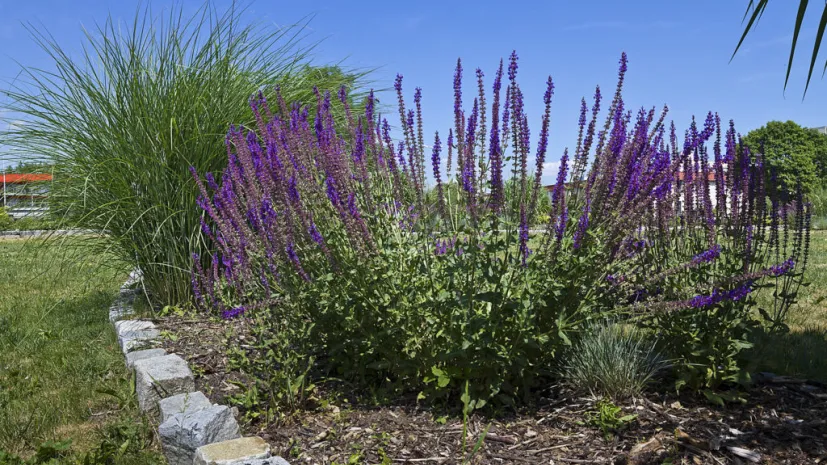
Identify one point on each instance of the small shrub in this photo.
(608, 417)
(612, 360)
(6, 221)
(329, 237)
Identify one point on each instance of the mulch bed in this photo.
(783, 422)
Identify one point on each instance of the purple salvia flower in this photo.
(512, 66)
(458, 115)
(314, 233)
(561, 225)
(294, 258)
(718, 296)
(542, 145)
(707, 256)
(582, 224)
(196, 290)
(450, 152)
(435, 162)
(293, 191)
(359, 144)
(559, 187)
(420, 147)
(234, 312)
(265, 282)
(369, 107)
(332, 193)
(351, 205)
(495, 151)
(782, 268)
(205, 228)
(523, 236)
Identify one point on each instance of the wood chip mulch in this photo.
(783, 422)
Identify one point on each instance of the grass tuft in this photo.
(612, 360)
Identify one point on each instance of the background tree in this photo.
(793, 153)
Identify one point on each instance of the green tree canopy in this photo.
(793, 153)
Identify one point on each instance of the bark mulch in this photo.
(784, 421)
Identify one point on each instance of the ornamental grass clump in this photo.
(125, 119)
(393, 264)
(612, 360)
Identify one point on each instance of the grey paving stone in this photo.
(131, 341)
(268, 461)
(133, 357)
(120, 310)
(128, 326)
(183, 433)
(234, 451)
(182, 403)
(161, 377)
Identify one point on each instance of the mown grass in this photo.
(62, 375)
(803, 351)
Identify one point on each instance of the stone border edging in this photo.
(193, 431)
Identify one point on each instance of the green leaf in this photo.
(819, 36)
(802, 9)
(757, 11)
(713, 397)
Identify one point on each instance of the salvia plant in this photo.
(391, 263)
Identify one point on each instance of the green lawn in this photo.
(62, 376)
(802, 352)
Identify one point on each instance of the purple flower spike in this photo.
(707, 256)
(523, 237)
(582, 225)
(435, 162)
(234, 312)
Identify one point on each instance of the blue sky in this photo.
(679, 52)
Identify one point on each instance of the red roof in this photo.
(24, 178)
(709, 176)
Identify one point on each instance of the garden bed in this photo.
(783, 421)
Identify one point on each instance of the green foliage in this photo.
(125, 120)
(612, 360)
(31, 166)
(706, 344)
(47, 453)
(432, 323)
(792, 155)
(275, 392)
(608, 417)
(28, 223)
(6, 221)
(818, 200)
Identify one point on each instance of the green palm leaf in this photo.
(755, 11)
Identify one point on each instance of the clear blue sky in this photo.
(678, 51)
